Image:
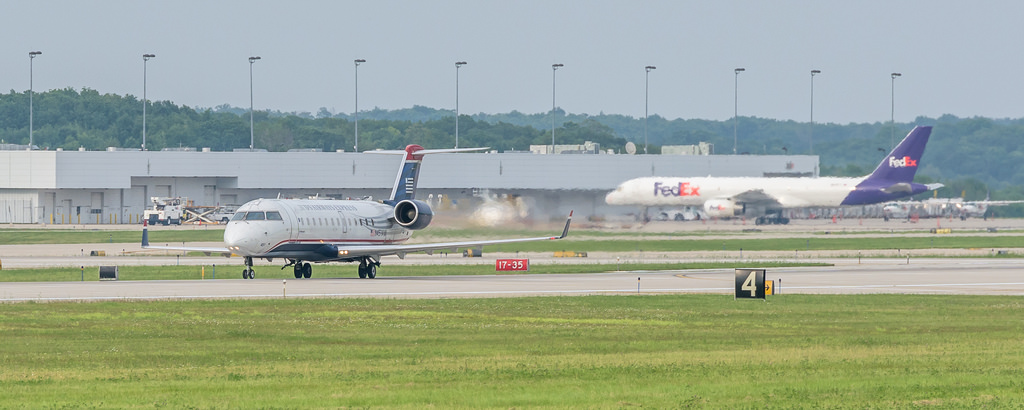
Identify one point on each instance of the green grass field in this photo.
(686, 351)
(44, 236)
(581, 241)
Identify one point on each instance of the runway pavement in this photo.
(921, 276)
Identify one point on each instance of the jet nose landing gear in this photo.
(248, 273)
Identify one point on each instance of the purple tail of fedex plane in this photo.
(894, 176)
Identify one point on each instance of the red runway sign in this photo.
(512, 265)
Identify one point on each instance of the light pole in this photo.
(457, 65)
(554, 67)
(892, 113)
(145, 58)
(811, 143)
(31, 56)
(357, 62)
(252, 134)
(647, 76)
(735, 106)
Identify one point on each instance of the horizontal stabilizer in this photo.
(898, 187)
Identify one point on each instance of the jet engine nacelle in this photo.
(413, 214)
(722, 208)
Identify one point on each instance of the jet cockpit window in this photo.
(255, 216)
(238, 216)
(274, 216)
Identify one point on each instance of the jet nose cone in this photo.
(613, 198)
(235, 237)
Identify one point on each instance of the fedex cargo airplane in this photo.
(737, 196)
(300, 231)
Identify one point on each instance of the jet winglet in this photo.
(565, 232)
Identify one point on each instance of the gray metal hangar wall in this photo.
(115, 186)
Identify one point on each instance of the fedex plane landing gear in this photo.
(303, 270)
(248, 273)
(368, 268)
(772, 219)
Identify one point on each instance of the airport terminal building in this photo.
(114, 186)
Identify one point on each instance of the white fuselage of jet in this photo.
(788, 192)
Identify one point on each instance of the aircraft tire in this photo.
(371, 271)
(298, 271)
(362, 272)
(307, 271)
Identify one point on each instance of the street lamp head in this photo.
(459, 64)
(813, 72)
(253, 59)
(148, 56)
(33, 54)
(739, 70)
(894, 75)
(557, 66)
(359, 60)
(649, 68)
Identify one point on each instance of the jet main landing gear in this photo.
(368, 268)
(771, 219)
(303, 270)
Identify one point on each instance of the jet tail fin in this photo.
(901, 164)
(409, 170)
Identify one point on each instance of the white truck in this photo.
(223, 214)
(165, 211)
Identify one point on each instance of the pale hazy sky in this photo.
(956, 57)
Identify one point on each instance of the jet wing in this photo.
(757, 197)
(996, 203)
(207, 250)
(429, 248)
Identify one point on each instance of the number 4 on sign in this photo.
(749, 284)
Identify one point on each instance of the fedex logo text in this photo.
(683, 189)
(902, 162)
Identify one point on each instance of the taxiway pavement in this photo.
(966, 276)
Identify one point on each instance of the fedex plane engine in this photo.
(413, 214)
(722, 208)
